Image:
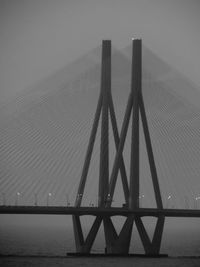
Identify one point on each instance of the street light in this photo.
(108, 200)
(79, 197)
(3, 199)
(17, 198)
(36, 202)
(67, 198)
(48, 198)
(187, 205)
(140, 200)
(196, 202)
(168, 199)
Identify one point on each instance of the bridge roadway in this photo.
(95, 211)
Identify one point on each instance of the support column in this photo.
(151, 247)
(150, 155)
(135, 90)
(84, 245)
(118, 244)
(104, 150)
(121, 163)
(118, 156)
(88, 154)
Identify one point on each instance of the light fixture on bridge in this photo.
(80, 196)
(17, 198)
(133, 39)
(108, 200)
(48, 198)
(67, 198)
(168, 202)
(142, 196)
(140, 199)
(3, 199)
(35, 203)
(196, 202)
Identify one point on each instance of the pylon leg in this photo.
(117, 141)
(110, 234)
(118, 244)
(84, 246)
(150, 154)
(78, 233)
(151, 247)
(156, 242)
(118, 156)
(88, 154)
(92, 235)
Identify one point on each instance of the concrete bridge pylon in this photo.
(119, 243)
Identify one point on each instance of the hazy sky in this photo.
(39, 37)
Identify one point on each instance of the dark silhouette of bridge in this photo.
(132, 211)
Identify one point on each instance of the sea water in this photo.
(26, 242)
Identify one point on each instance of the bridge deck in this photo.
(57, 210)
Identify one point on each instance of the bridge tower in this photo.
(119, 243)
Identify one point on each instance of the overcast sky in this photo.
(41, 36)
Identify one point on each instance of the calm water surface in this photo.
(45, 243)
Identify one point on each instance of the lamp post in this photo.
(108, 199)
(187, 206)
(67, 198)
(35, 202)
(48, 198)
(80, 197)
(168, 201)
(3, 199)
(17, 198)
(196, 202)
(140, 200)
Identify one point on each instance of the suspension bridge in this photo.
(132, 143)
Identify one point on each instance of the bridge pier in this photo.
(118, 244)
(151, 247)
(84, 246)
